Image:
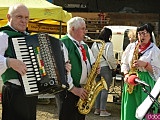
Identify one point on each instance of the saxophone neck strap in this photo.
(102, 55)
(140, 54)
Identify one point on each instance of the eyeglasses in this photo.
(143, 33)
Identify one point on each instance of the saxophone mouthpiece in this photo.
(87, 38)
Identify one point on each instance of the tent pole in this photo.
(60, 29)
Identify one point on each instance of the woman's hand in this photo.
(126, 77)
(139, 63)
(145, 65)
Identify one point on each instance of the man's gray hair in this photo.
(14, 7)
(75, 22)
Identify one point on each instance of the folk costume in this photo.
(81, 66)
(130, 102)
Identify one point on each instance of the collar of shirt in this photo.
(75, 41)
(26, 33)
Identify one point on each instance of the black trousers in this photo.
(67, 105)
(15, 105)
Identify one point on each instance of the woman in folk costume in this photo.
(146, 67)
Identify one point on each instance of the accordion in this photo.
(44, 58)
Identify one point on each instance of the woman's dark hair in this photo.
(105, 34)
(148, 27)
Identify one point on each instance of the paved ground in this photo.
(49, 112)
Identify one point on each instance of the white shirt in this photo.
(107, 54)
(3, 48)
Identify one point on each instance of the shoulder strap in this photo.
(99, 49)
(140, 54)
(104, 57)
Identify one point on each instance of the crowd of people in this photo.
(79, 59)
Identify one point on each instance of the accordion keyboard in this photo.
(28, 57)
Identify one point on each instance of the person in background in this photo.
(132, 35)
(81, 60)
(107, 63)
(15, 105)
(148, 70)
(129, 37)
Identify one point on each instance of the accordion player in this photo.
(44, 58)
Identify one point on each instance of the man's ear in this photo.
(73, 28)
(8, 17)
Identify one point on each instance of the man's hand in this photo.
(17, 65)
(81, 92)
(68, 66)
(98, 69)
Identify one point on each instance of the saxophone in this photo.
(133, 70)
(93, 87)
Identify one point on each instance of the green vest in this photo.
(75, 59)
(10, 73)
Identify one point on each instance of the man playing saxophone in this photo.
(81, 60)
(147, 68)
